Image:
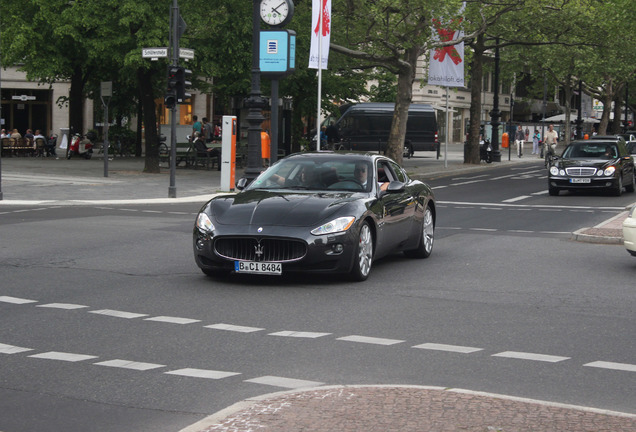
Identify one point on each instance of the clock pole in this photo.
(255, 103)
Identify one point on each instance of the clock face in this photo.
(275, 12)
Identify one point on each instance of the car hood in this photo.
(261, 207)
(596, 163)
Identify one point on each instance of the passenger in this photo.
(362, 176)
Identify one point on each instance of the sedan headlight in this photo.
(609, 171)
(554, 171)
(334, 226)
(204, 223)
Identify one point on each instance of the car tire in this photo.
(427, 237)
(630, 187)
(363, 258)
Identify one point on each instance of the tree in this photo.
(391, 35)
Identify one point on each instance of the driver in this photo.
(361, 174)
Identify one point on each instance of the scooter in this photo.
(485, 150)
(80, 147)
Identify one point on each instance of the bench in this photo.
(184, 153)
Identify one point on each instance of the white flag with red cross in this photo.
(320, 33)
(446, 64)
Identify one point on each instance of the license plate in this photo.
(580, 180)
(258, 267)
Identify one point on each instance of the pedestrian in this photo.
(520, 137)
(4, 134)
(323, 137)
(15, 134)
(196, 126)
(550, 140)
(208, 132)
(535, 142)
(527, 134)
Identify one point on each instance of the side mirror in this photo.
(241, 183)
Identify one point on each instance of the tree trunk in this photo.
(406, 76)
(145, 80)
(471, 148)
(76, 102)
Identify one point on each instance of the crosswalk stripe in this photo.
(172, 320)
(11, 349)
(298, 334)
(67, 306)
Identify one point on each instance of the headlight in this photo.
(204, 223)
(554, 171)
(610, 171)
(335, 226)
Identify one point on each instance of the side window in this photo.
(399, 172)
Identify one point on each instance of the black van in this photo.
(366, 126)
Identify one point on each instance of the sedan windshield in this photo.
(354, 175)
(591, 150)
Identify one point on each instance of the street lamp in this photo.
(495, 114)
(255, 103)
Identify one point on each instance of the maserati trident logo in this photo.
(258, 251)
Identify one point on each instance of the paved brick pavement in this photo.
(406, 409)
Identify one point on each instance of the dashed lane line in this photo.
(202, 373)
(284, 382)
(370, 340)
(71, 357)
(128, 364)
(531, 356)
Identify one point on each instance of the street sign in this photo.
(186, 53)
(107, 88)
(153, 53)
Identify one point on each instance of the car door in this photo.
(398, 209)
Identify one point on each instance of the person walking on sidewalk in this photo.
(535, 142)
(520, 137)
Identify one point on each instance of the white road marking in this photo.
(448, 348)
(370, 340)
(533, 206)
(68, 306)
(69, 357)
(531, 356)
(127, 364)
(284, 382)
(467, 182)
(614, 366)
(234, 328)
(16, 300)
(172, 320)
(11, 349)
(519, 198)
(484, 229)
(202, 373)
(118, 314)
(297, 334)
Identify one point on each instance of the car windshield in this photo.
(303, 173)
(591, 150)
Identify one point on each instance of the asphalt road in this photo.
(107, 324)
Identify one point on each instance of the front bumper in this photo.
(629, 235)
(567, 182)
(324, 254)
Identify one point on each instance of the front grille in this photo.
(252, 249)
(580, 171)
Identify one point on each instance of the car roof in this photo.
(345, 156)
(607, 137)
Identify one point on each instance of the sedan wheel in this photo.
(618, 189)
(427, 237)
(364, 254)
(630, 186)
